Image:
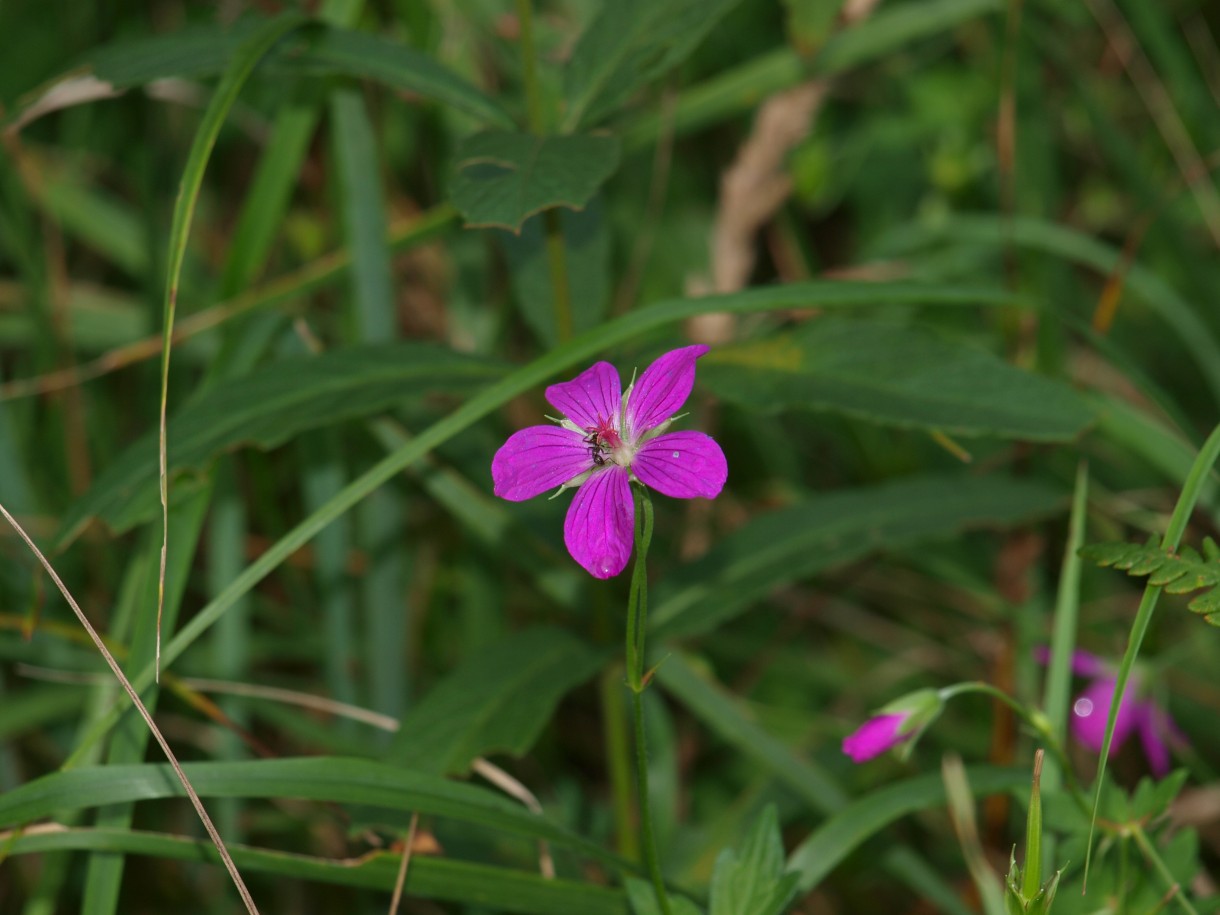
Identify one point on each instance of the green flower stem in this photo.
(637, 626)
(1036, 721)
(1199, 473)
(618, 761)
(557, 258)
(529, 67)
(1154, 857)
(556, 254)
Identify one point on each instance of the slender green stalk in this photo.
(1063, 638)
(637, 602)
(557, 258)
(529, 66)
(1154, 857)
(637, 627)
(1199, 473)
(552, 221)
(618, 761)
(1033, 719)
(1063, 643)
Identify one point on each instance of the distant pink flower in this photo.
(875, 736)
(606, 439)
(1091, 710)
(899, 722)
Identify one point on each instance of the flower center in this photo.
(605, 445)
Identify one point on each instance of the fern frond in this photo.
(1177, 573)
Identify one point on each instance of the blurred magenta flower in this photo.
(1136, 714)
(902, 720)
(606, 439)
(875, 736)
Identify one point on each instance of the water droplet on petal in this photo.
(1083, 707)
(675, 454)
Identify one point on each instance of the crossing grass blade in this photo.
(442, 879)
(248, 56)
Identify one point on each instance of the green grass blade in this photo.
(443, 879)
(244, 61)
(1063, 643)
(1200, 471)
(325, 779)
(130, 741)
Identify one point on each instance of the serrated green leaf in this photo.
(1146, 564)
(752, 881)
(1206, 603)
(1171, 571)
(270, 406)
(501, 178)
(1152, 797)
(1179, 574)
(628, 45)
(895, 375)
(497, 700)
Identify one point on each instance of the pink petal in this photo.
(598, 528)
(537, 459)
(682, 465)
(660, 392)
(1091, 710)
(1155, 728)
(1084, 663)
(874, 737)
(591, 399)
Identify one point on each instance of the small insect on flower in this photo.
(607, 439)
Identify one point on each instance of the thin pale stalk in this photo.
(401, 880)
(243, 64)
(246, 898)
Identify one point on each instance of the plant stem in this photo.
(1036, 721)
(637, 626)
(529, 70)
(618, 761)
(557, 258)
(552, 221)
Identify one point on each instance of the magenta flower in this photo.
(899, 722)
(875, 736)
(1136, 714)
(607, 439)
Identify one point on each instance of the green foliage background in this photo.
(984, 253)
